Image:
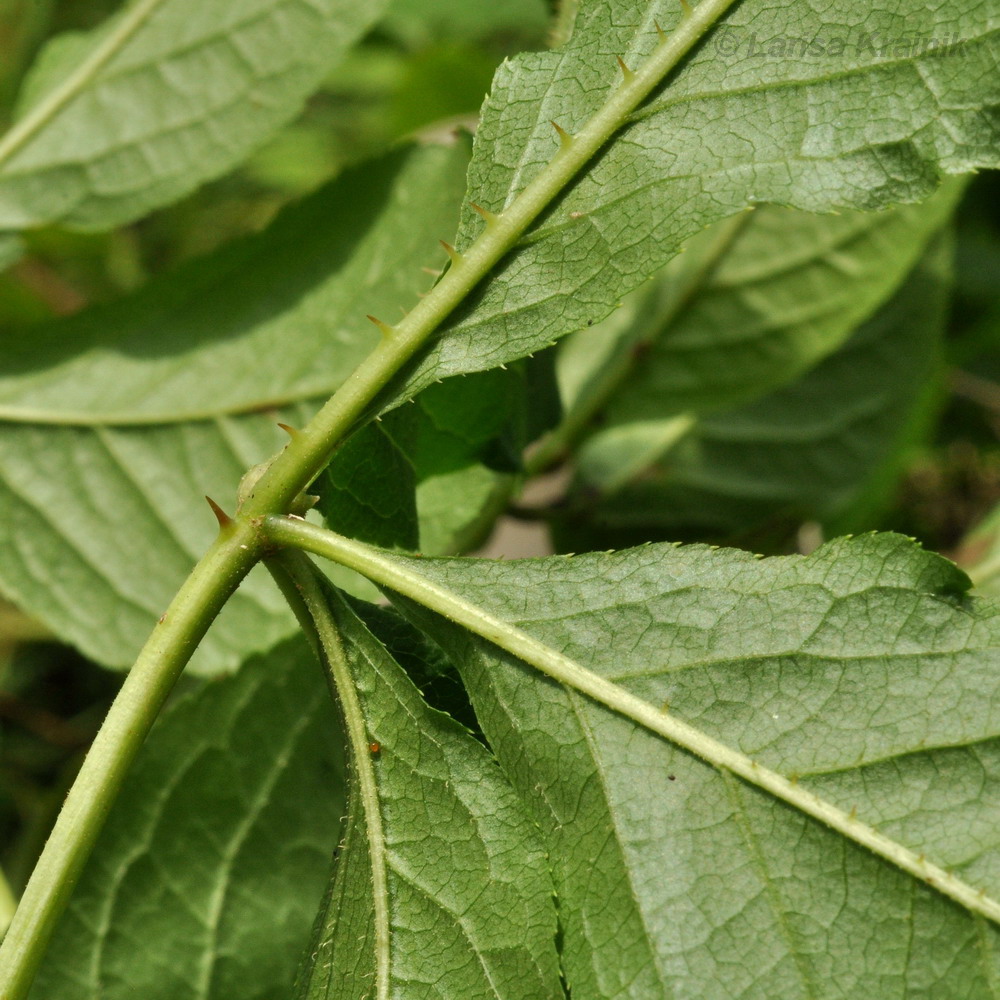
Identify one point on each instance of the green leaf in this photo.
(121, 419)
(805, 451)
(369, 491)
(855, 129)
(419, 20)
(275, 318)
(862, 671)
(468, 894)
(207, 876)
(760, 300)
(445, 443)
(159, 99)
(121, 512)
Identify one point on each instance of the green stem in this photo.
(381, 568)
(306, 593)
(128, 721)
(310, 450)
(216, 576)
(650, 324)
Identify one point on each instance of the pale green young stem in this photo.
(230, 559)
(648, 330)
(382, 569)
(307, 590)
(115, 746)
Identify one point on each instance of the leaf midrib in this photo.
(397, 576)
(61, 95)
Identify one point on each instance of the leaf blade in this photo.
(276, 318)
(699, 151)
(714, 630)
(444, 809)
(205, 879)
(158, 99)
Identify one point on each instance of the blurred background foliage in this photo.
(419, 74)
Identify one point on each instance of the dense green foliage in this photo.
(742, 297)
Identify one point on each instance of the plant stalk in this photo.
(129, 719)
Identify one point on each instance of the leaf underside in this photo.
(165, 95)
(469, 896)
(862, 669)
(817, 132)
(208, 873)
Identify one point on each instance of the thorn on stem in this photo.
(453, 254)
(220, 515)
(627, 75)
(432, 271)
(686, 7)
(292, 432)
(565, 139)
(660, 31)
(488, 217)
(384, 327)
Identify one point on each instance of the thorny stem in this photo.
(310, 450)
(237, 549)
